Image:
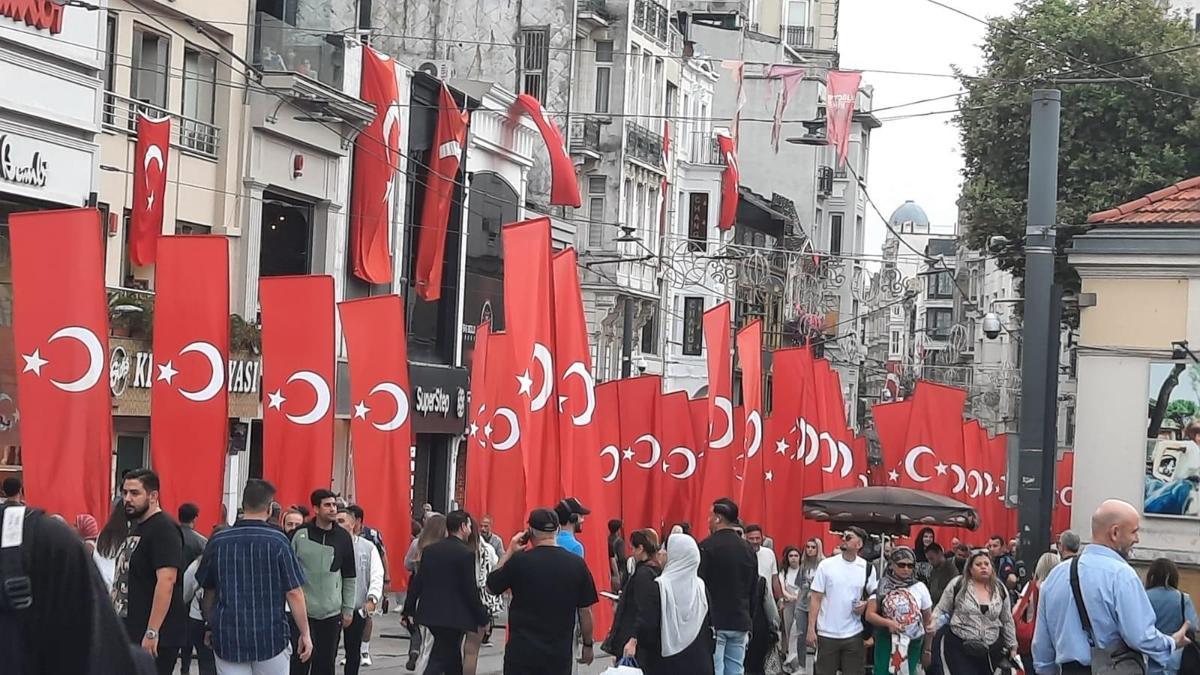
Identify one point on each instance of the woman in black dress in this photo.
(636, 592)
(674, 633)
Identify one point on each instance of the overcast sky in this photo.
(916, 158)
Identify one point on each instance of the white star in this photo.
(769, 476)
(487, 430)
(628, 454)
(562, 401)
(893, 475)
(34, 363)
(150, 202)
(526, 383)
(473, 429)
(941, 469)
(276, 399)
(781, 446)
(166, 372)
(361, 410)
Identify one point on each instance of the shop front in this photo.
(439, 398)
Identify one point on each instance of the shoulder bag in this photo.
(868, 628)
(1189, 662)
(1118, 659)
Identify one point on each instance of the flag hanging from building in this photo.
(376, 161)
(151, 153)
(189, 395)
(750, 461)
(298, 377)
(564, 186)
(790, 78)
(60, 333)
(439, 195)
(729, 182)
(841, 94)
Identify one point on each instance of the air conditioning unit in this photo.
(442, 70)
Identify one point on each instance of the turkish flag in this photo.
(834, 436)
(496, 477)
(439, 194)
(841, 94)
(933, 444)
(298, 374)
(1001, 517)
(151, 153)
(718, 468)
(529, 316)
(1064, 481)
(564, 187)
(783, 472)
(381, 423)
(664, 191)
(891, 425)
(729, 182)
(478, 464)
(750, 461)
(677, 480)
(60, 333)
(642, 449)
(376, 161)
(578, 439)
(698, 512)
(189, 396)
(608, 426)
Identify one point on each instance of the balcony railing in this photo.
(282, 48)
(202, 138)
(702, 148)
(651, 18)
(585, 135)
(644, 145)
(800, 37)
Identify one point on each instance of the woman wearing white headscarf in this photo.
(673, 627)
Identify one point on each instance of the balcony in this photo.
(595, 14)
(283, 48)
(644, 145)
(585, 137)
(651, 18)
(701, 148)
(800, 37)
(191, 135)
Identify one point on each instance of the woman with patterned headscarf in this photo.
(899, 610)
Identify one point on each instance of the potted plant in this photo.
(131, 314)
(244, 336)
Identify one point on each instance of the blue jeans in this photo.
(730, 656)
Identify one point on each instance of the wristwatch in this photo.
(151, 634)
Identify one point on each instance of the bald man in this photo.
(1117, 607)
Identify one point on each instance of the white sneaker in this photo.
(342, 661)
(365, 661)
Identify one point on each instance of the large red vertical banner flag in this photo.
(642, 449)
(529, 316)
(564, 187)
(496, 477)
(60, 332)
(750, 462)
(381, 420)
(934, 442)
(841, 94)
(717, 479)
(1064, 488)
(439, 194)
(729, 182)
(577, 388)
(298, 372)
(189, 399)
(891, 425)
(782, 470)
(376, 161)
(478, 466)
(151, 154)
(677, 481)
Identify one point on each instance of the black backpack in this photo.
(16, 590)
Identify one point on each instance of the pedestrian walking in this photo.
(375, 537)
(444, 597)
(925, 539)
(13, 491)
(148, 588)
(979, 634)
(796, 579)
(899, 610)
(431, 532)
(1172, 609)
(1069, 544)
(491, 538)
(729, 568)
(942, 571)
(326, 554)
(616, 556)
(193, 541)
(294, 518)
(764, 631)
(551, 589)
(193, 598)
(248, 573)
(1025, 609)
(768, 567)
(1099, 585)
(838, 600)
(571, 513)
(368, 588)
(485, 561)
(634, 594)
(673, 629)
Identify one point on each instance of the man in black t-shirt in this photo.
(550, 588)
(147, 588)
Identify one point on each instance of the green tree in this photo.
(1119, 140)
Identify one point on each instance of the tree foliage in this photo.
(1119, 140)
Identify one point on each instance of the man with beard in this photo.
(570, 514)
(147, 590)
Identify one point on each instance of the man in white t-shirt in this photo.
(837, 601)
(768, 567)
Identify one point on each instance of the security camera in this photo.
(642, 365)
(991, 325)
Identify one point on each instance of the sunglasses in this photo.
(906, 566)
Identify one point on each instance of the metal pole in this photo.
(1038, 363)
(627, 339)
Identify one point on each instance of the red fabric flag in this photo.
(529, 316)
(376, 161)
(935, 433)
(498, 473)
(478, 466)
(697, 512)
(835, 438)
(60, 334)
(577, 387)
(664, 192)
(1064, 482)
(717, 479)
(750, 459)
(782, 471)
(564, 187)
(841, 94)
(189, 399)
(151, 154)
(642, 450)
(891, 424)
(807, 428)
(439, 193)
(297, 379)
(380, 426)
(1000, 517)
(608, 425)
(729, 182)
(678, 479)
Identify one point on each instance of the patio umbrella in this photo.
(888, 510)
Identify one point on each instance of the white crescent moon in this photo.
(542, 355)
(321, 388)
(153, 153)
(1062, 495)
(962, 479)
(813, 442)
(991, 487)
(862, 478)
(95, 352)
(754, 420)
(910, 463)
(655, 450)
(514, 430)
(216, 381)
(691, 463)
(847, 459)
(391, 118)
(589, 388)
(834, 453)
(616, 455)
(726, 406)
(978, 490)
(393, 390)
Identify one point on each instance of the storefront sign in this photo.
(42, 14)
(29, 171)
(439, 397)
(131, 371)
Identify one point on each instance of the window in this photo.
(535, 59)
(597, 229)
(835, 233)
(182, 227)
(940, 285)
(631, 79)
(894, 344)
(650, 335)
(697, 232)
(798, 13)
(658, 90)
(199, 101)
(151, 57)
(938, 320)
(287, 233)
(604, 59)
(110, 68)
(693, 326)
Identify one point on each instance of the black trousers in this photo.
(164, 663)
(352, 642)
(445, 657)
(325, 634)
(204, 655)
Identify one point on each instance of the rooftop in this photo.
(1178, 204)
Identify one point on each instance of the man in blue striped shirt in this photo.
(247, 572)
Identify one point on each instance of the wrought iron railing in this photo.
(651, 18)
(280, 47)
(585, 135)
(801, 37)
(702, 148)
(644, 145)
(120, 114)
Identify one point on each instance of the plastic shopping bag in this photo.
(625, 666)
